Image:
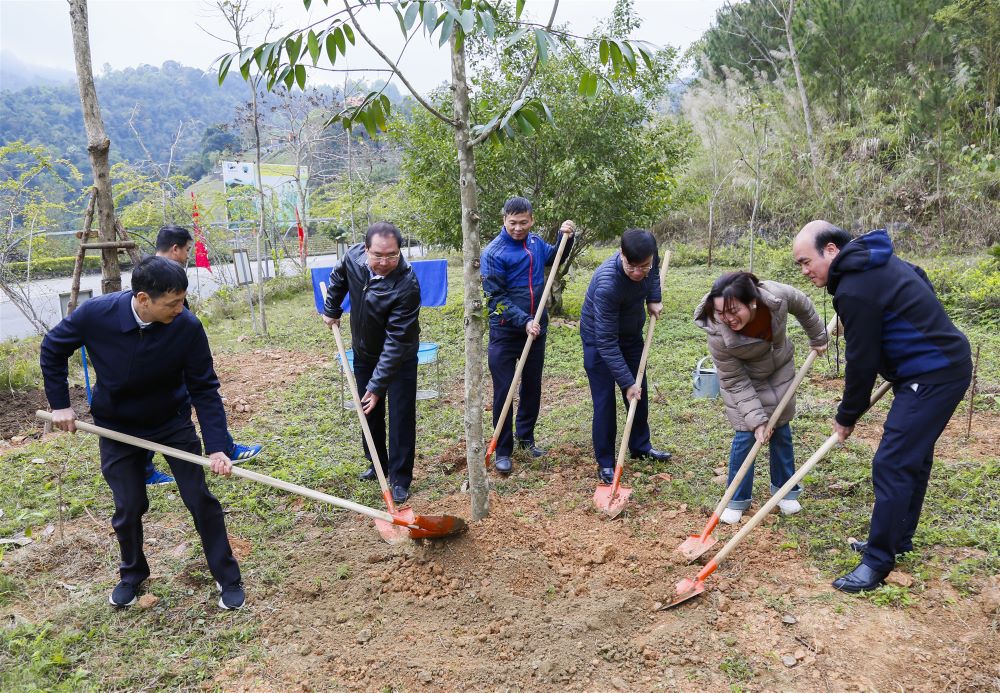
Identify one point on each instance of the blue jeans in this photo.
(782, 458)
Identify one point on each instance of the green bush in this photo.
(52, 267)
(19, 369)
(972, 292)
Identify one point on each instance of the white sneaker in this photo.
(789, 507)
(730, 516)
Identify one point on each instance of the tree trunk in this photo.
(479, 489)
(98, 145)
(260, 227)
(803, 97)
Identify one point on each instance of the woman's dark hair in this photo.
(732, 286)
(157, 275)
(638, 244)
(169, 236)
(516, 205)
(383, 228)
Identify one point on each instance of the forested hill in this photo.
(166, 97)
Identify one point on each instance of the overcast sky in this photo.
(129, 33)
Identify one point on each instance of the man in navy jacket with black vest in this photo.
(622, 290)
(152, 360)
(513, 271)
(894, 327)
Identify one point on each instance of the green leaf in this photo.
(376, 110)
(349, 33)
(489, 25)
(520, 8)
(542, 44)
(523, 124)
(245, 70)
(616, 58)
(399, 16)
(289, 76)
(605, 52)
(628, 55)
(411, 16)
(532, 117)
(447, 27)
(369, 122)
(588, 84)
(312, 43)
(515, 37)
(307, 3)
(430, 16)
(338, 39)
(468, 21)
(294, 48)
(224, 68)
(331, 48)
(386, 104)
(300, 75)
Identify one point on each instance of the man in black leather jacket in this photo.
(385, 335)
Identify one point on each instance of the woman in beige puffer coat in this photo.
(746, 321)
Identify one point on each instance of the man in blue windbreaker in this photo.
(153, 362)
(513, 270)
(623, 289)
(894, 327)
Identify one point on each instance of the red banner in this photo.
(200, 252)
(302, 236)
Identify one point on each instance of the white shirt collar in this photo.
(138, 320)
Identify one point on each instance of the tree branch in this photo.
(395, 68)
(520, 90)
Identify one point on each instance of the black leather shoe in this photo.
(369, 474)
(503, 465)
(531, 448)
(399, 494)
(861, 579)
(607, 474)
(862, 546)
(652, 454)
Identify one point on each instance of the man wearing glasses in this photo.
(513, 271)
(385, 336)
(623, 289)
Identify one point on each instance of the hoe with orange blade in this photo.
(418, 527)
(697, 544)
(611, 498)
(690, 588)
(523, 358)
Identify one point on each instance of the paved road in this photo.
(44, 294)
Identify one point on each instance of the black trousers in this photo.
(901, 467)
(124, 468)
(504, 350)
(402, 396)
(604, 390)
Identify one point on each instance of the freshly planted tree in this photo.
(287, 59)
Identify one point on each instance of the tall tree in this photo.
(453, 21)
(98, 145)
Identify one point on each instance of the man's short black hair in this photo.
(637, 245)
(172, 235)
(835, 235)
(516, 205)
(157, 275)
(383, 228)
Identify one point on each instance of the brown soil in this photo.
(243, 377)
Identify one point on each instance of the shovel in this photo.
(392, 532)
(420, 527)
(611, 498)
(697, 544)
(523, 358)
(690, 588)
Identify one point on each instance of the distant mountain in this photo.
(16, 74)
(158, 100)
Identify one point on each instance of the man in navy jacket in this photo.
(622, 290)
(513, 271)
(153, 362)
(894, 327)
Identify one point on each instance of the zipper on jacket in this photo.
(531, 271)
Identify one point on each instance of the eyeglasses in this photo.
(384, 259)
(636, 268)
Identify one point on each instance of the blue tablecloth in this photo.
(428, 353)
(432, 275)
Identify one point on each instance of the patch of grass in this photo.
(737, 668)
(890, 595)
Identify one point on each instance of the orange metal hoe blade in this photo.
(611, 500)
(436, 526)
(397, 531)
(688, 588)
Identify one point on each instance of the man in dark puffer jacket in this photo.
(622, 290)
(895, 327)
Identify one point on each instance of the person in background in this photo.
(513, 270)
(623, 289)
(746, 321)
(174, 243)
(895, 327)
(153, 362)
(385, 337)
